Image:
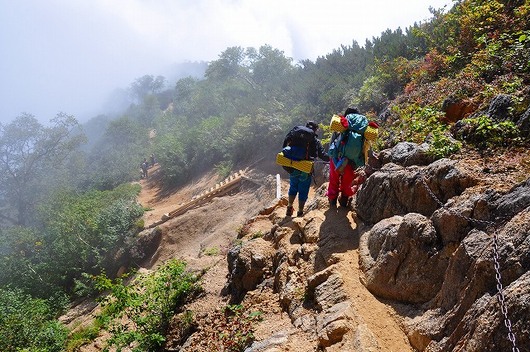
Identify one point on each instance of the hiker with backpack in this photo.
(348, 151)
(144, 166)
(301, 143)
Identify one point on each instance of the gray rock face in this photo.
(499, 109)
(405, 261)
(524, 123)
(406, 154)
(445, 257)
(396, 190)
(507, 205)
(467, 307)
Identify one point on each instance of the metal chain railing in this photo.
(442, 205)
(498, 278)
(496, 264)
(501, 298)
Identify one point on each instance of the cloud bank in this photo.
(69, 55)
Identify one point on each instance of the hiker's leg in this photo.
(347, 180)
(300, 208)
(303, 190)
(294, 183)
(334, 181)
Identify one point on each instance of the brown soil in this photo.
(212, 228)
(203, 236)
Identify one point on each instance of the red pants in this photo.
(341, 182)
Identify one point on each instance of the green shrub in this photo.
(257, 234)
(483, 132)
(238, 333)
(223, 169)
(173, 159)
(212, 251)
(423, 124)
(441, 145)
(28, 323)
(147, 304)
(83, 336)
(84, 231)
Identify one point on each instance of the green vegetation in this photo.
(81, 233)
(257, 234)
(146, 306)
(224, 169)
(35, 161)
(231, 329)
(420, 124)
(212, 251)
(485, 133)
(83, 336)
(29, 323)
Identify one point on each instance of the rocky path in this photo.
(303, 273)
(213, 228)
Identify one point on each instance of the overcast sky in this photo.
(69, 55)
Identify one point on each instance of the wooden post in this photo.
(278, 187)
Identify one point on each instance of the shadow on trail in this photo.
(338, 234)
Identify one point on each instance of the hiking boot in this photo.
(300, 213)
(344, 201)
(289, 211)
(333, 203)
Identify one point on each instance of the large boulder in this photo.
(459, 215)
(407, 154)
(396, 190)
(500, 106)
(402, 259)
(467, 303)
(436, 243)
(248, 265)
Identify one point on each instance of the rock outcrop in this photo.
(299, 262)
(433, 242)
(399, 190)
(433, 246)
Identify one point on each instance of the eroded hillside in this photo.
(396, 272)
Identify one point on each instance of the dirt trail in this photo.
(377, 323)
(203, 236)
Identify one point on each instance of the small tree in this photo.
(146, 85)
(29, 151)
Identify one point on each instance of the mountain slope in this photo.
(308, 277)
(216, 225)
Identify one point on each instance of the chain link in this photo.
(442, 205)
(500, 296)
(496, 263)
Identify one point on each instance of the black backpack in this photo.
(298, 142)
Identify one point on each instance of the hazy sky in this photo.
(69, 55)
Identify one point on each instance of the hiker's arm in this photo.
(322, 152)
(286, 140)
